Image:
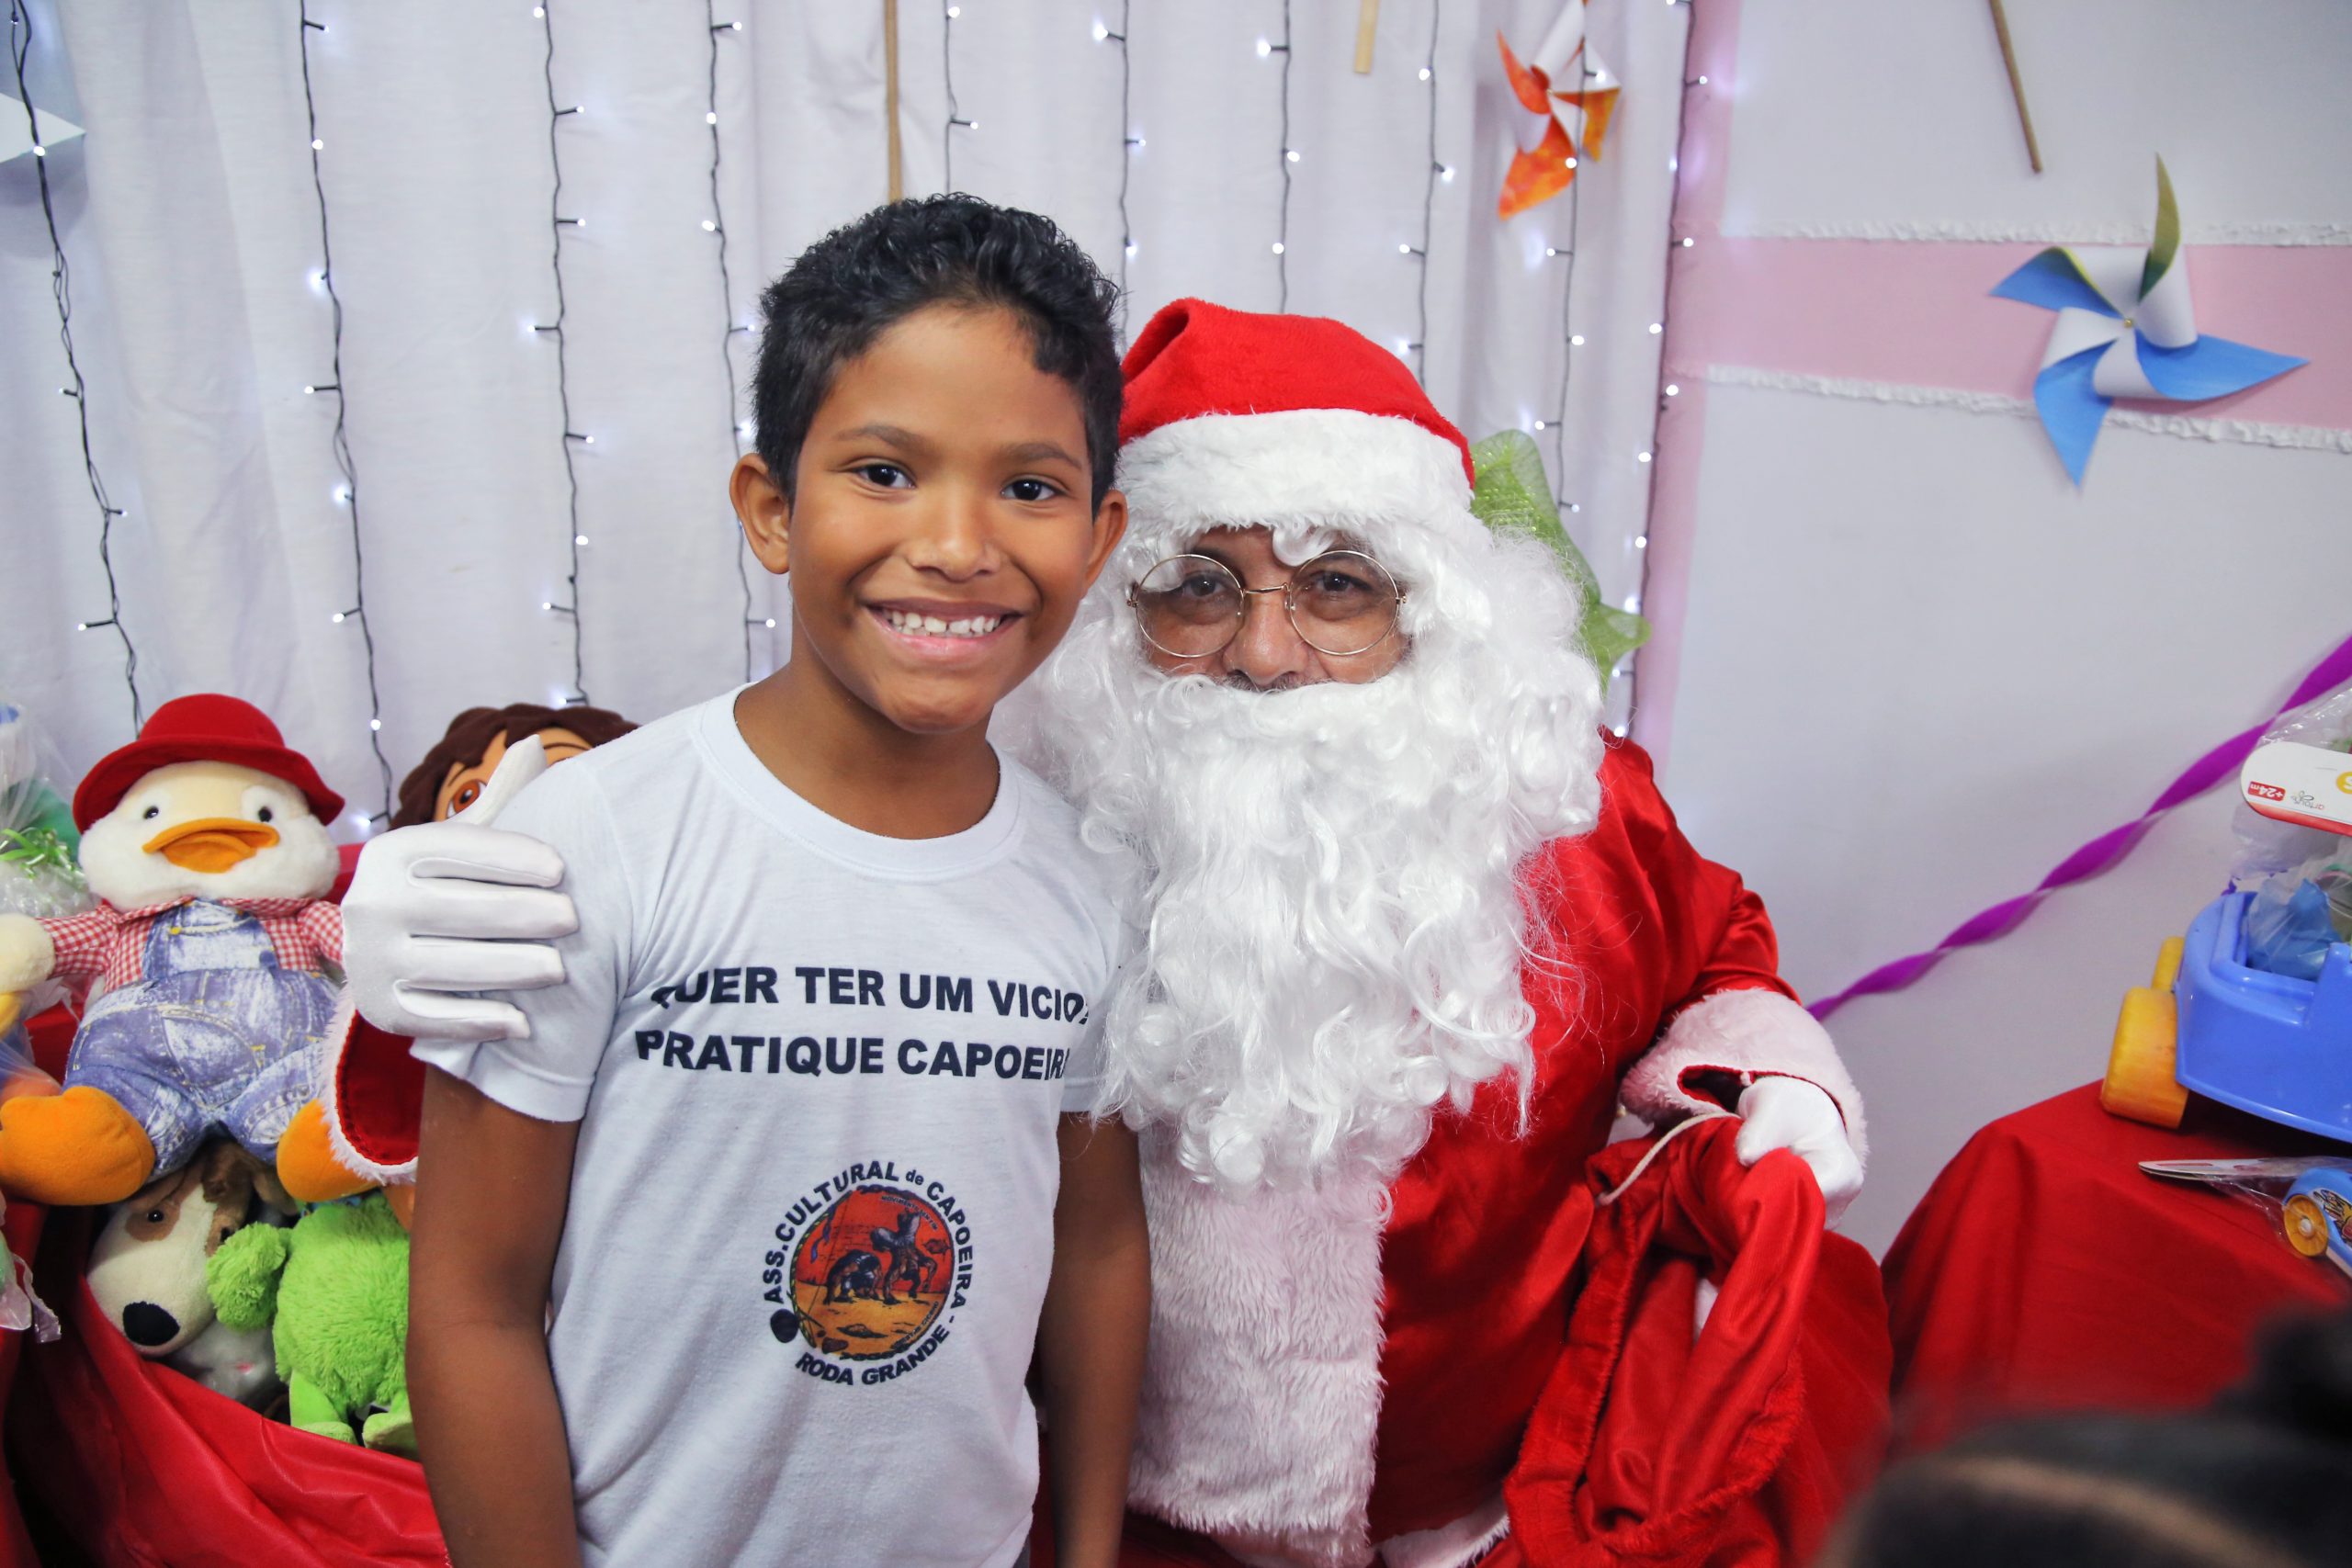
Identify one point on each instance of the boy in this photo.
(740, 1254)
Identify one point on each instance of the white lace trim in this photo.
(2189, 427)
(1952, 229)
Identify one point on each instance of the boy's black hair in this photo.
(2263, 1479)
(849, 287)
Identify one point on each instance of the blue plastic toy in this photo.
(2318, 1215)
(2271, 1044)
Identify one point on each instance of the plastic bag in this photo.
(38, 874)
(2297, 915)
(2308, 1198)
(2269, 847)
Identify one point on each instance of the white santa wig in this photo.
(1326, 880)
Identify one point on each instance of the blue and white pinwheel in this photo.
(2125, 330)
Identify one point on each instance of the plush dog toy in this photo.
(146, 1269)
(338, 1284)
(206, 841)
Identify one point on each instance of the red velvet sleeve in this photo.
(1725, 1017)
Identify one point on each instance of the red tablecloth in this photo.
(2044, 1271)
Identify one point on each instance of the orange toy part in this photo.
(77, 1147)
(306, 1161)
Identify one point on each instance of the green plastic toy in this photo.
(337, 1282)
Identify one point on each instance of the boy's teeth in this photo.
(935, 625)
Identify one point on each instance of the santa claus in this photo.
(1411, 930)
(1415, 927)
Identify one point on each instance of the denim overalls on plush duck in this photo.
(217, 1035)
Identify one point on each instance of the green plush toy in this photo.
(338, 1285)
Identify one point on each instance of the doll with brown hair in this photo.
(452, 774)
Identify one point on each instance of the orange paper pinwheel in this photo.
(1543, 172)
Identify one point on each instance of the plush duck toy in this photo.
(205, 842)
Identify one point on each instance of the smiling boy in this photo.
(714, 1263)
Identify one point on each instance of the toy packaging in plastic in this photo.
(2280, 834)
(2308, 1198)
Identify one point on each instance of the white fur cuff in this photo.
(1747, 1034)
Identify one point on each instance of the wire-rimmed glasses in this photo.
(1341, 602)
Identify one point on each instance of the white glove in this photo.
(1789, 1113)
(443, 910)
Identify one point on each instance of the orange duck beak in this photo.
(212, 844)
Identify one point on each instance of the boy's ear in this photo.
(764, 511)
(1110, 527)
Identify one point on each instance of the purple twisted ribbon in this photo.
(2102, 852)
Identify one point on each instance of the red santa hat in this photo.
(1234, 417)
(207, 727)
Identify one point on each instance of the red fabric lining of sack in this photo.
(145, 1468)
(379, 1094)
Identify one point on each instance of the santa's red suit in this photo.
(1312, 1366)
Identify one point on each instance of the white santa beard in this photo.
(1335, 925)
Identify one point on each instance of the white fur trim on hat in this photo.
(1747, 1034)
(1333, 469)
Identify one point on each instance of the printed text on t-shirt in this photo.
(838, 987)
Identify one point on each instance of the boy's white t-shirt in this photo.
(818, 1075)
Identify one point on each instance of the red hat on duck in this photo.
(207, 727)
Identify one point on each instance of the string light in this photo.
(557, 223)
(1282, 266)
(339, 442)
(1575, 339)
(955, 120)
(20, 36)
(1437, 171)
(714, 224)
(1670, 389)
(1130, 144)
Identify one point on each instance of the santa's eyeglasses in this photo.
(1341, 602)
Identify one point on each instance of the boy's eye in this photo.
(890, 476)
(1031, 490)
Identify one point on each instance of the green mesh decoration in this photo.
(1512, 496)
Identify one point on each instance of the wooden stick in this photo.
(890, 95)
(1367, 23)
(2017, 84)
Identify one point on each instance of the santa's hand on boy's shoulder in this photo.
(442, 910)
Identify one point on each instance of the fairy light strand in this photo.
(557, 224)
(20, 36)
(1570, 339)
(731, 328)
(1667, 389)
(1428, 209)
(1283, 159)
(955, 121)
(1128, 142)
(340, 442)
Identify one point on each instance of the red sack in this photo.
(1737, 1450)
(143, 1468)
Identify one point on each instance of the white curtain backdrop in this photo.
(192, 230)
